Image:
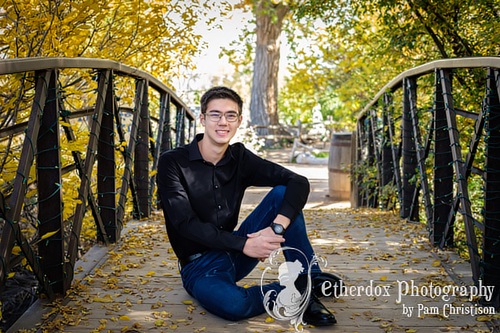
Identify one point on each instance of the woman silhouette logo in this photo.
(289, 303)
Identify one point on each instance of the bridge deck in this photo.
(135, 286)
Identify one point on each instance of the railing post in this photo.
(491, 212)
(127, 179)
(180, 126)
(409, 157)
(48, 167)
(394, 151)
(354, 160)
(386, 155)
(372, 160)
(443, 169)
(11, 230)
(460, 172)
(141, 161)
(106, 165)
(421, 153)
(86, 179)
(166, 139)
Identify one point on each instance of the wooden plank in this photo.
(141, 160)
(459, 169)
(86, 180)
(11, 230)
(491, 212)
(106, 168)
(404, 262)
(48, 167)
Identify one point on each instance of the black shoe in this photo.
(317, 314)
(331, 284)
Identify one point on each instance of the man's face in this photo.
(221, 121)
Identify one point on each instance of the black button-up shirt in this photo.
(201, 201)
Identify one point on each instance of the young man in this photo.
(201, 186)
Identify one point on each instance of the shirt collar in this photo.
(195, 154)
(194, 150)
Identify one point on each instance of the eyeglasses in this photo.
(216, 116)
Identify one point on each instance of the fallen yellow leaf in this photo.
(150, 273)
(124, 318)
(383, 278)
(187, 302)
(16, 250)
(47, 235)
(105, 299)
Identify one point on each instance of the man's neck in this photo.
(211, 153)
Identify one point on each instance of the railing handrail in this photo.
(427, 68)
(11, 66)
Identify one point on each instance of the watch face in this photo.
(278, 228)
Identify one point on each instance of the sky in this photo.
(208, 63)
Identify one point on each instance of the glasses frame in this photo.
(222, 114)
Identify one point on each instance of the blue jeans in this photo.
(212, 278)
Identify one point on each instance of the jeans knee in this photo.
(277, 194)
(240, 308)
(279, 190)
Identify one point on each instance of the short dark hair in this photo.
(220, 93)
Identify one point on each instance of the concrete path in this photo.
(135, 286)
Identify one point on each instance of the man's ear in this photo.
(202, 119)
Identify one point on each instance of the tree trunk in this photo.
(264, 96)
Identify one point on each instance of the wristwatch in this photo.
(278, 228)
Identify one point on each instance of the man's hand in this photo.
(260, 244)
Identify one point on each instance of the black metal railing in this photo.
(438, 150)
(128, 118)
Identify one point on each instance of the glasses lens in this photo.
(214, 116)
(231, 116)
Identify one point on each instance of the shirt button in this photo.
(221, 227)
(219, 206)
(216, 186)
